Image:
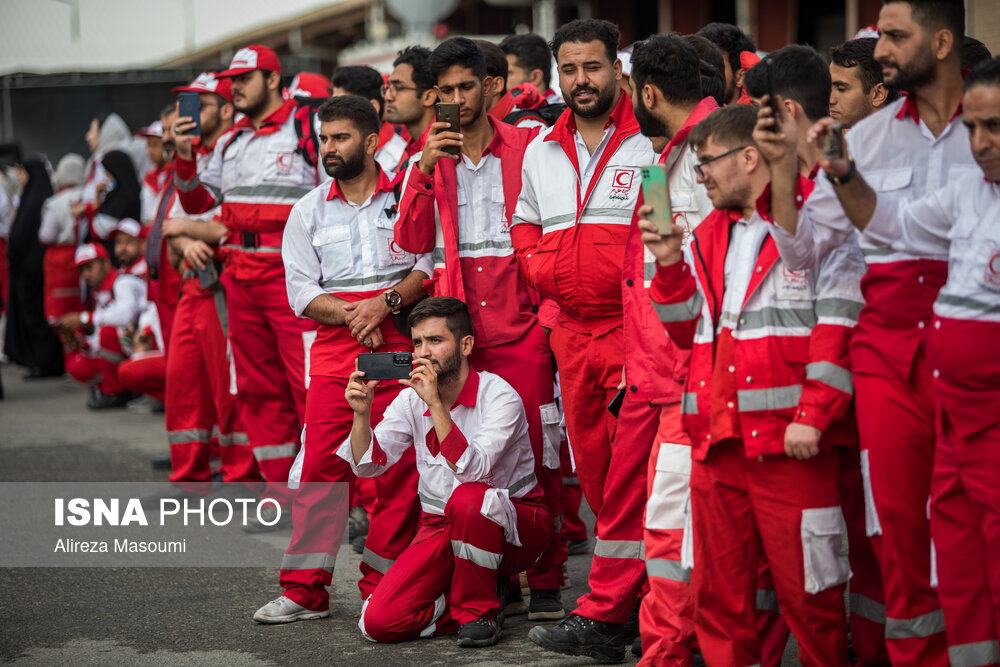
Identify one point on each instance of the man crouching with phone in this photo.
(483, 519)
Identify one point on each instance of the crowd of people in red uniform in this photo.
(781, 390)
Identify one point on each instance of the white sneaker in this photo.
(284, 610)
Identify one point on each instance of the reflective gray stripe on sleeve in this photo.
(919, 626)
(620, 549)
(514, 220)
(830, 374)
(521, 483)
(375, 561)
(867, 608)
(269, 452)
(480, 557)
(238, 438)
(767, 601)
(276, 191)
(869, 252)
(679, 312)
(558, 220)
(363, 281)
(773, 398)
(188, 435)
(433, 502)
(776, 317)
(503, 244)
(975, 654)
(838, 308)
(321, 561)
(966, 302)
(186, 186)
(667, 569)
(689, 404)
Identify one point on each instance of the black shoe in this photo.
(269, 512)
(161, 462)
(357, 523)
(358, 544)
(545, 606)
(582, 636)
(631, 628)
(637, 647)
(480, 632)
(102, 401)
(578, 547)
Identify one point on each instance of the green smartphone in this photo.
(656, 193)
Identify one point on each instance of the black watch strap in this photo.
(846, 178)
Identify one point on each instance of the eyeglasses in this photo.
(395, 88)
(698, 167)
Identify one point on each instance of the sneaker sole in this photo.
(291, 618)
(601, 653)
(547, 615)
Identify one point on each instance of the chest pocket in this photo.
(389, 254)
(887, 180)
(333, 247)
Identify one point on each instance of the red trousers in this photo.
(270, 348)
(526, 365)
(85, 366)
(62, 282)
(573, 528)
(199, 398)
(965, 524)
(789, 510)
(610, 464)
(448, 575)
(896, 426)
(666, 618)
(319, 523)
(145, 373)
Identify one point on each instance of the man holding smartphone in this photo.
(344, 272)
(470, 180)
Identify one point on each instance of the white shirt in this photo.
(896, 156)
(332, 245)
(480, 200)
(121, 306)
(962, 220)
(586, 160)
(498, 452)
(745, 240)
(58, 222)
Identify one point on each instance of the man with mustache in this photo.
(580, 185)
(344, 272)
(915, 145)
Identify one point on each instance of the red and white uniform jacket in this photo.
(190, 283)
(769, 345)
(138, 268)
(573, 216)
(153, 183)
(391, 152)
(256, 175)
(117, 303)
(333, 246)
(899, 156)
(655, 368)
(505, 105)
(462, 215)
(488, 443)
(962, 220)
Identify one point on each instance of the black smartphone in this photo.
(447, 112)
(207, 276)
(188, 104)
(772, 101)
(386, 365)
(615, 406)
(833, 142)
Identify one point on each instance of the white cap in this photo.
(626, 58)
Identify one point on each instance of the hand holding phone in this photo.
(189, 105)
(656, 193)
(386, 365)
(447, 112)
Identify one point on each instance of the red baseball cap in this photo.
(88, 252)
(310, 84)
(130, 227)
(250, 58)
(208, 82)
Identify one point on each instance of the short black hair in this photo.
(418, 58)
(496, 61)
(730, 126)
(666, 62)
(588, 30)
(797, 73)
(974, 52)
(860, 53)
(355, 108)
(454, 311)
(169, 109)
(932, 15)
(986, 73)
(731, 40)
(711, 67)
(362, 81)
(530, 52)
(460, 51)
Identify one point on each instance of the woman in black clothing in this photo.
(29, 340)
(122, 197)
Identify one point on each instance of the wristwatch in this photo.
(394, 300)
(846, 178)
(85, 318)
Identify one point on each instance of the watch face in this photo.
(393, 298)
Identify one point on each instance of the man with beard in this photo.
(410, 95)
(344, 272)
(668, 103)
(256, 175)
(472, 195)
(366, 82)
(580, 186)
(917, 144)
(483, 512)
